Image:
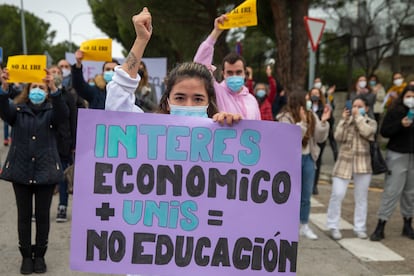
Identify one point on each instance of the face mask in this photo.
(409, 102)
(362, 111)
(317, 85)
(108, 75)
(372, 83)
(58, 80)
(309, 105)
(362, 84)
(193, 111)
(235, 83)
(260, 93)
(37, 95)
(65, 72)
(398, 82)
(91, 83)
(314, 98)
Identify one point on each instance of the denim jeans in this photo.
(308, 176)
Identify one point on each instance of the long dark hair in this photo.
(185, 71)
(399, 102)
(295, 101)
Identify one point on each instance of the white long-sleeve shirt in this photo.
(120, 92)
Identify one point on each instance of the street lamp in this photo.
(70, 22)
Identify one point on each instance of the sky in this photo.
(83, 27)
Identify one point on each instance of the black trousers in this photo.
(24, 200)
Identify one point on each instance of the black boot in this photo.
(39, 259)
(379, 231)
(407, 229)
(27, 262)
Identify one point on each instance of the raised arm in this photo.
(143, 30)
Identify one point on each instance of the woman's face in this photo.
(409, 94)
(189, 92)
(357, 104)
(39, 85)
(315, 92)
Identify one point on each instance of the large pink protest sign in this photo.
(165, 195)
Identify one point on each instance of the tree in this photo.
(58, 51)
(370, 42)
(38, 36)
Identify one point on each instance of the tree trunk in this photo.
(283, 55)
(299, 44)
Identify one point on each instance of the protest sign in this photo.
(158, 194)
(26, 68)
(97, 49)
(243, 15)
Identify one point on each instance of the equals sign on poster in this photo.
(215, 213)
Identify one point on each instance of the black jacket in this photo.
(95, 96)
(33, 157)
(66, 132)
(401, 139)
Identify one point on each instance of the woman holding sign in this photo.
(33, 164)
(190, 90)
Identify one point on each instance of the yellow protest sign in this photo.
(97, 49)
(26, 68)
(242, 16)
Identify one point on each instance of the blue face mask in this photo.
(260, 93)
(372, 83)
(108, 75)
(362, 111)
(193, 111)
(235, 83)
(37, 95)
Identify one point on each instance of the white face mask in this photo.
(65, 72)
(398, 82)
(362, 84)
(317, 85)
(409, 102)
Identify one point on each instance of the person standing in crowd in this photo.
(319, 106)
(232, 96)
(328, 94)
(398, 86)
(354, 131)
(265, 95)
(66, 141)
(33, 163)
(298, 111)
(64, 66)
(145, 94)
(361, 88)
(398, 126)
(94, 95)
(378, 90)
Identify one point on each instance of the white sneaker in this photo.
(361, 234)
(307, 232)
(336, 234)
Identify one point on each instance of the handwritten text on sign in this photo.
(26, 68)
(158, 197)
(97, 49)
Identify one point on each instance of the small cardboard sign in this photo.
(97, 49)
(243, 15)
(26, 68)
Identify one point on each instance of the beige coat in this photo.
(319, 136)
(354, 153)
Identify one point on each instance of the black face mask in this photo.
(314, 98)
(141, 73)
